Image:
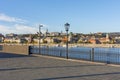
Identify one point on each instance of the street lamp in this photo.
(40, 38)
(67, 26)
(46, 32)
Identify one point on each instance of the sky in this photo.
(84, 16)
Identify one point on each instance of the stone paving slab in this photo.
(21, 67)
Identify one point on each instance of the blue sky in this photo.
(24, 16)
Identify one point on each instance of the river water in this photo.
(106, 55)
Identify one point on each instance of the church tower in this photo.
(107, 38)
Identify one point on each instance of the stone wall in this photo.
(15, 49)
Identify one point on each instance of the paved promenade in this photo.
(19, 67)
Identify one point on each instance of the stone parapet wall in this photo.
(15, 49)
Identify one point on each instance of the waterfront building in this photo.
(1, 38)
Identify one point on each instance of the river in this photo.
(97, 54)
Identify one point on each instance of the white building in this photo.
(1, 38)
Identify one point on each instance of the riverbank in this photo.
(97, 45)
(73, 45)
(86, 45)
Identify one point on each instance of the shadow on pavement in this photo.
(10, 55)
(80, 76)
(44, 67)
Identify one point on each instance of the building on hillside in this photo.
(106, 39)
(49, 40)
(117, 40)
(102, 40)
(93, 41)
(1, 38)
(11, 35)
(12, 40)
(55, 34)
(15, 40)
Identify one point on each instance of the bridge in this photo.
(24, 67)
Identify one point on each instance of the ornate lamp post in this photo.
(67, 26)
(46, 32)
(40, 38)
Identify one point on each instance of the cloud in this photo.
(6, 18)
(18, 29)
(25, 29)
(17, 26)
(5, 29)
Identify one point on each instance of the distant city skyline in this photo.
(84, 16)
